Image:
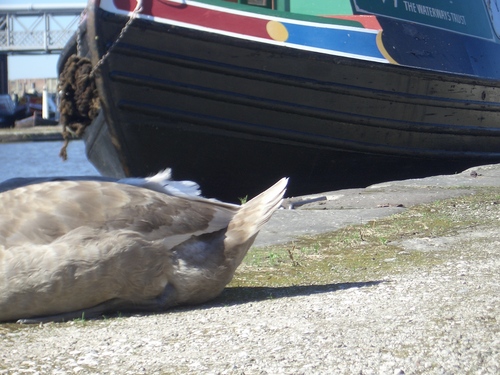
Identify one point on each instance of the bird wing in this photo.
(42, 213)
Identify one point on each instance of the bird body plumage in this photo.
(70, 247)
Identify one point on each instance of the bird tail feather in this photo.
(252, 215)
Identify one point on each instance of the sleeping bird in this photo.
(84, 247)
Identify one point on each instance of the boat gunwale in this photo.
(424, 73)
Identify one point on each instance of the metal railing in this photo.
(37, 28)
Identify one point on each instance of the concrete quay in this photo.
(330, 211)
(35, 133)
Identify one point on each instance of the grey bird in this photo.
(72, 248)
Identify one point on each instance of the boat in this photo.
(10, 111)
(333, 94)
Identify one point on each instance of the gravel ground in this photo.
(441, 320)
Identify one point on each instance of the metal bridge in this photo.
(35, 29)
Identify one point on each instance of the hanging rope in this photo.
(80, 104)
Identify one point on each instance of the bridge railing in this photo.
(37, 28)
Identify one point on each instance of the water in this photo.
(38, 159)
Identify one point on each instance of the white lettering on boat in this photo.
(434, 12)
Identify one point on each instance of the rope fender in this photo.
(79, 104)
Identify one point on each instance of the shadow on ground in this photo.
(231, 297)
(240, 295)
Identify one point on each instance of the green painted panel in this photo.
(464, 16)
(321, 7)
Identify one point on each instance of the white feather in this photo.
(163, 183)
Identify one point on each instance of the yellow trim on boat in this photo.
(383, 51)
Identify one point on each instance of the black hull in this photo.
(233, 166)
(237, 115)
